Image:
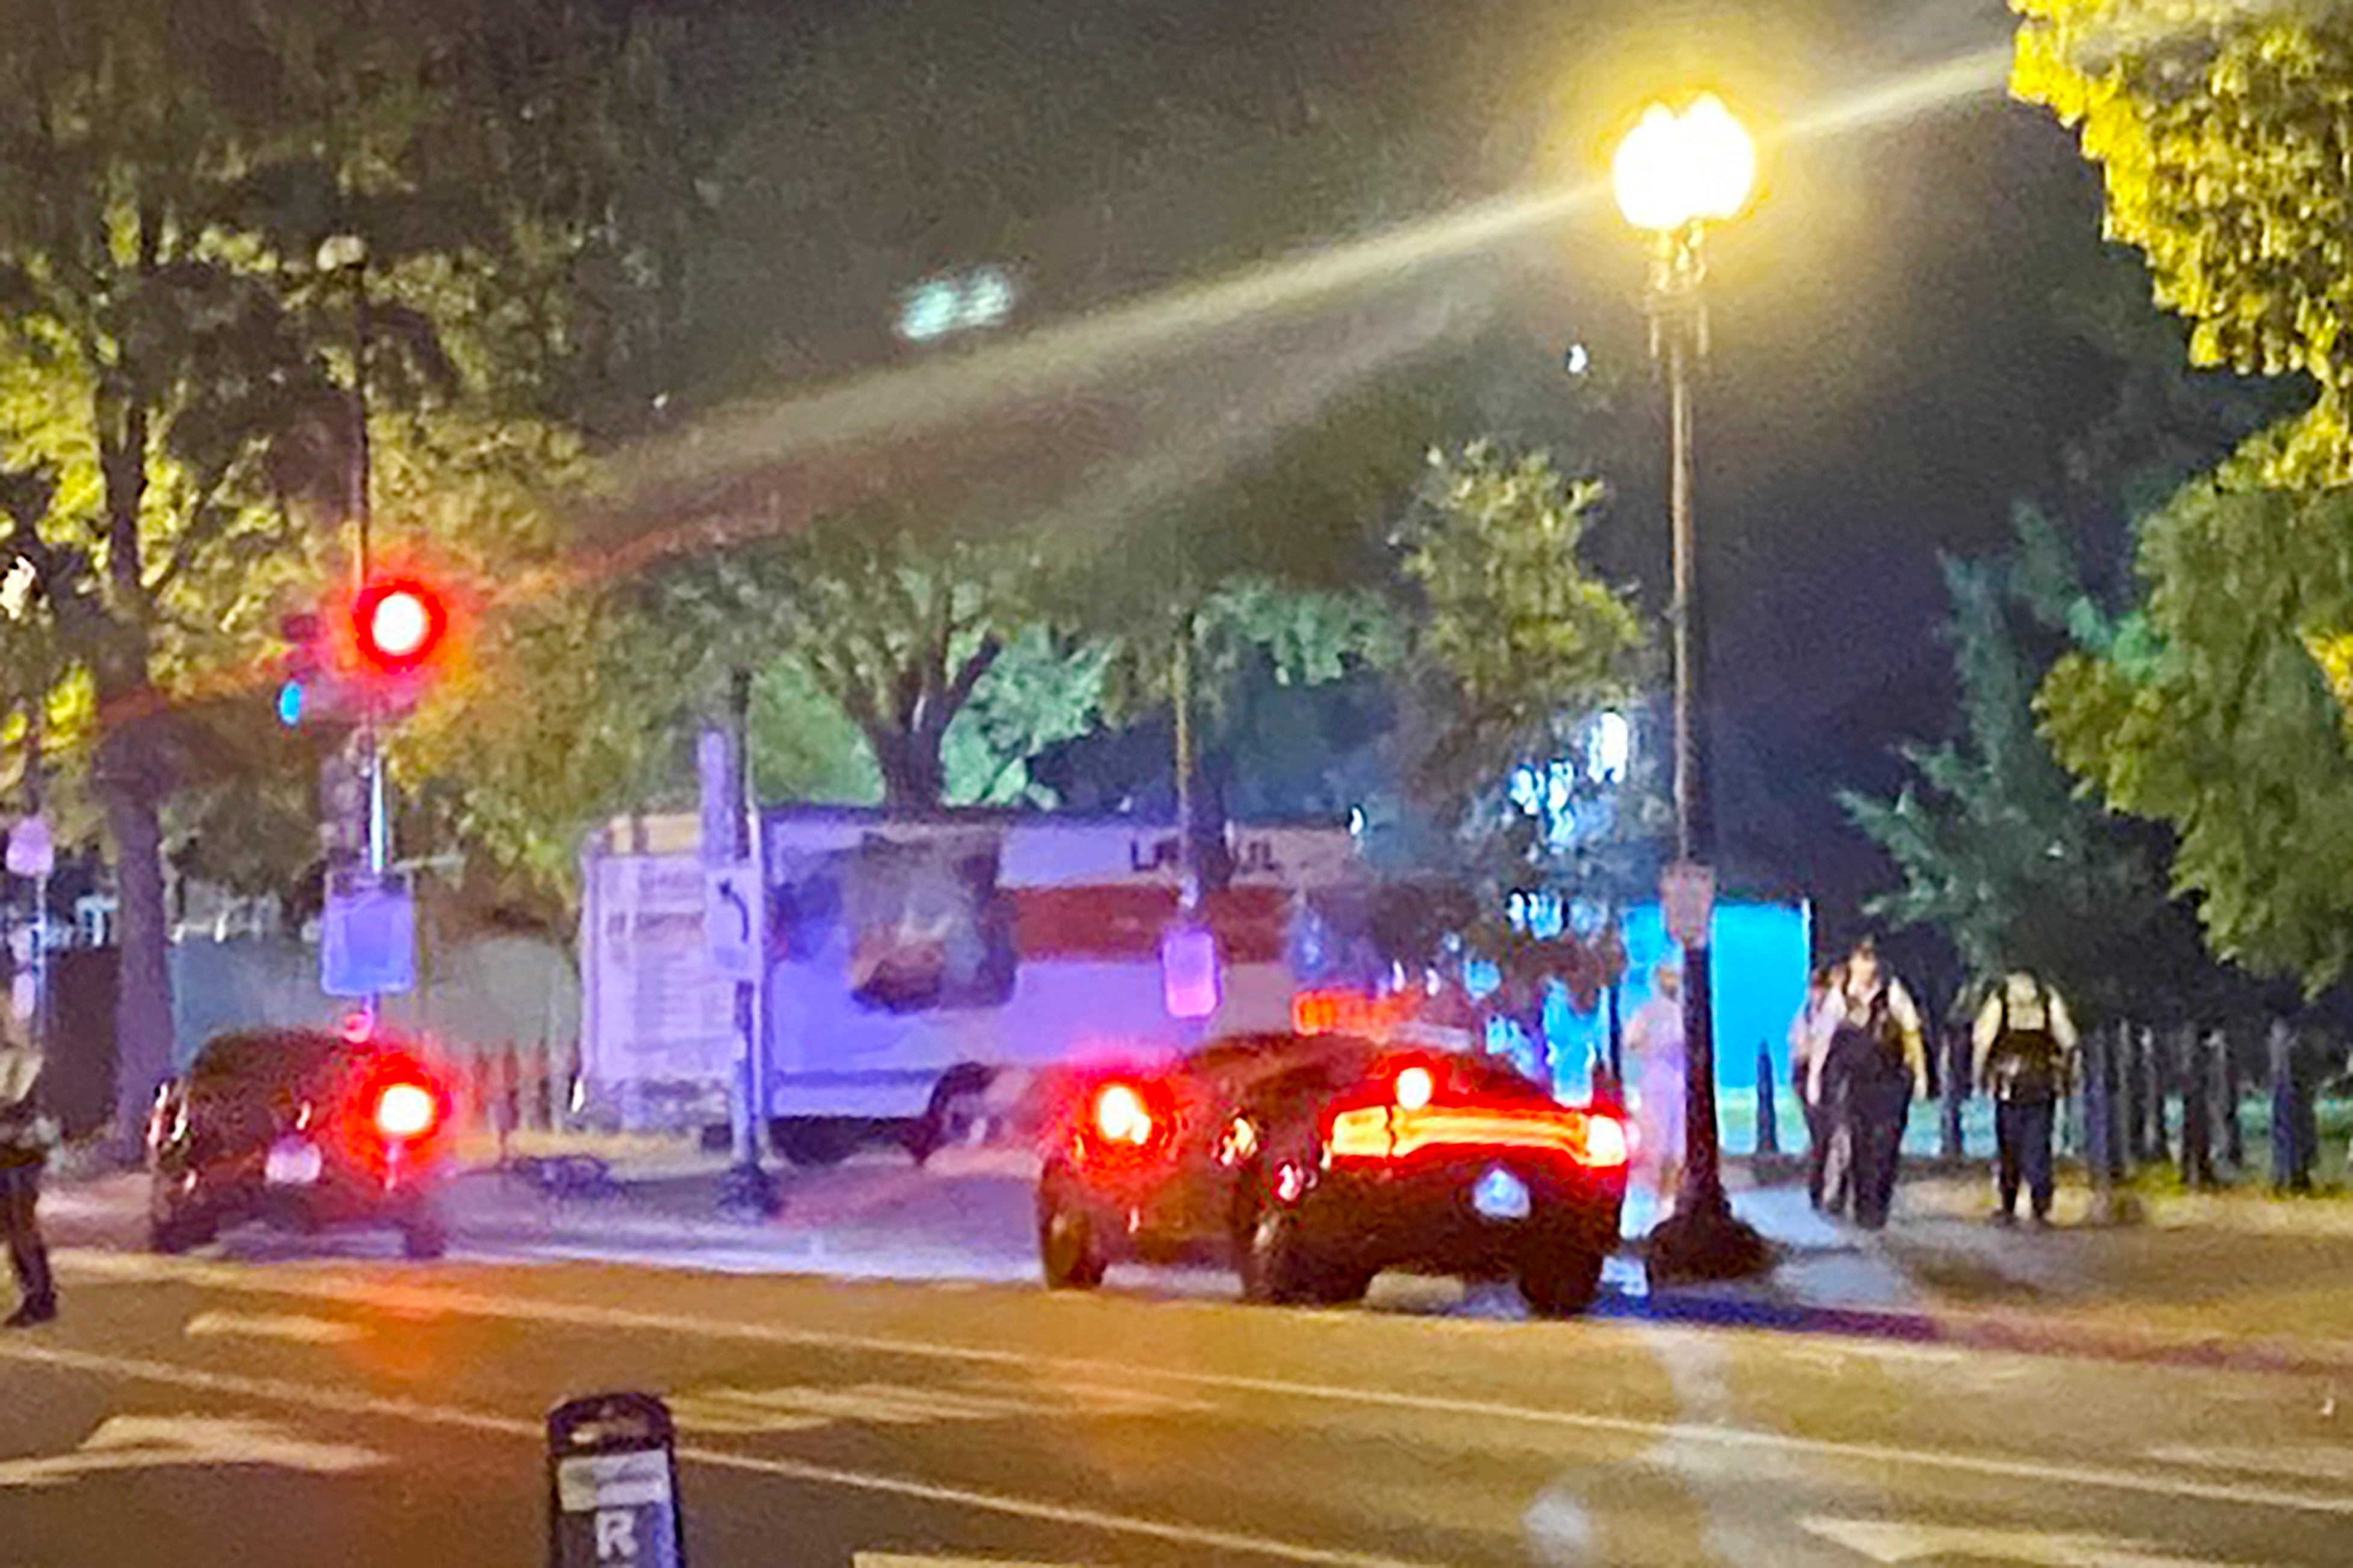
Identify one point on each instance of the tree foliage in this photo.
(2212, 711)
(897, 621)
(1512, 632)
(2220, 128)
(171, 413)
(1997, 848)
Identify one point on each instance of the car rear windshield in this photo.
(235, 1062)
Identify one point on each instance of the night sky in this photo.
(1890, 371)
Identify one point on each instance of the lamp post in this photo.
(1676, 173)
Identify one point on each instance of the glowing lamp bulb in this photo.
(405, 1110)
(1414, 1088)
(1122, 1117)
(1698, 166)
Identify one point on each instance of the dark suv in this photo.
(303, 1128)
(1310, 1162)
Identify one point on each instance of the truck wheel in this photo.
(1068, 1254)
(958, 1102)
(808, 1141)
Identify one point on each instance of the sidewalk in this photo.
(2237, 1279)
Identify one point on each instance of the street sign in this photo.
(31, 853)
(1188, 971)
(731, 919)
(613, 1484)
(1687, 898)
(367, 944)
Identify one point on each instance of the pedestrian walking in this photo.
(1654, 1039)
(1809, 1034)
(1874, 1065)
(2024, 1058)
(27, 1133)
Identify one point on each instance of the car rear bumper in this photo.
(1427, 1217)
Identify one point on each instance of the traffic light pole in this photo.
(360, 503)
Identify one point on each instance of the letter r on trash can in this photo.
(617, 1535)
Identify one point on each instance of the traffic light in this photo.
(398, 625)
(374, 649)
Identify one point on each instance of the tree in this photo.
(1997, 848)
(2221, 708)
(172, 402)
(1517, 650)
(898, 623)
(2218, 127)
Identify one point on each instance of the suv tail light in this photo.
(405, 1111)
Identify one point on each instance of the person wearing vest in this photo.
(2025, 1060)
(1873, 1066)
(26, 1135)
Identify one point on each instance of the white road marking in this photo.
(310, 1397)
(2305, 1461)
(196, 1442)
(1895, 1540)
(805, 1407)
(290, 1325)
(428, 1301)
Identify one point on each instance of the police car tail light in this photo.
(1605, 1144)
(1414, 1088)
(1121, 1116)
(405, 1111)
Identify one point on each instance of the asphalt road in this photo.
(303, 1405)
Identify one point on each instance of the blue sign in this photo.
(367, 944)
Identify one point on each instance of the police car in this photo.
(302, 1128)
(1312, 1162)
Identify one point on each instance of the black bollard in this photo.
(2196, 1058)
(1768, 1113)
(2099, 1119)
(2124, 1100)
(612, 1484)
(2235, 1133)
(1959, 1049)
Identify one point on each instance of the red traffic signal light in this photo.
(398, 625)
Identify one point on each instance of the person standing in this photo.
(1875, 1064)
(1654, 1039)
(1808, 1039)
(26, 1135)
(2024, 1057)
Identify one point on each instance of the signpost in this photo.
(1687, 900)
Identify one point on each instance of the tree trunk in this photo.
(133, 784)
(913, 777)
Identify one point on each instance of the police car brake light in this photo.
(1121, 1116)
(405, 1111)
(1604, 1145)
(1414, 1088)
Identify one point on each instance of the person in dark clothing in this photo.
(1875, 1064)
(26, 1135)
(2025, 1058)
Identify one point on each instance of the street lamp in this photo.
(1676, 173)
